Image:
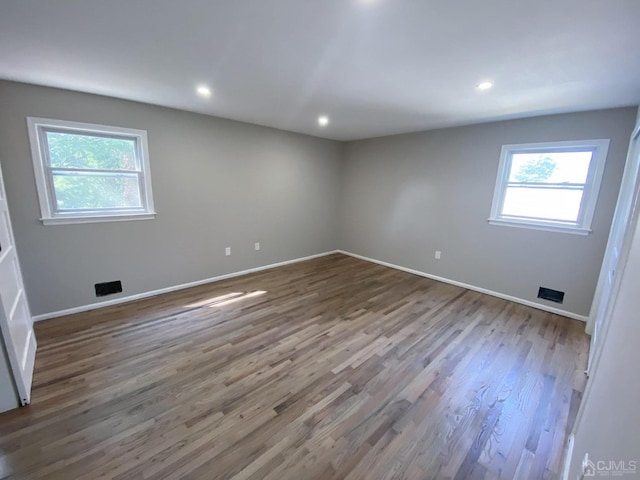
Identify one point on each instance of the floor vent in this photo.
(551, 295)
(108, 288)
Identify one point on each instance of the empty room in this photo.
(338, 239)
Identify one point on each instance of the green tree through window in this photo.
(537, 170)
(72, 158)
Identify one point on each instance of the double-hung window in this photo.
(549, 186)
(90, 173)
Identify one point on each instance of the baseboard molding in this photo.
(153, 293)
(522, 301)
(568, 454)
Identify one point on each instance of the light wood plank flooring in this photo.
(327, 369)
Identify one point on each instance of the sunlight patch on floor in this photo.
(226, 299)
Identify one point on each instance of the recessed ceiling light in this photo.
(323, 120)
(484, 86)
(204, 91)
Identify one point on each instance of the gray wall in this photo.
(221, 183)
(216, 183)
(406, 196)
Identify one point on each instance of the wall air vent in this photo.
(108, 288)
(551, 295)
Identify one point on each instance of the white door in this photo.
(617, 249)
(15, 319)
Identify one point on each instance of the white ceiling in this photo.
(375, 67)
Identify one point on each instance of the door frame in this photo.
(631, 224)
(631, 174)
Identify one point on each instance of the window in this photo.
(90, 173)
(549, 186)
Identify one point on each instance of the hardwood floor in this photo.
(327, 369)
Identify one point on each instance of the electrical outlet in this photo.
(438, 254)
(257, 245)
(227, 251)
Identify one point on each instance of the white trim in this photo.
(153, 293)
(536, 226)
(568, 455)
(46, 194)
(633, 176)
(539, 306)
(112, 217)
(590, 193)
(599, 335)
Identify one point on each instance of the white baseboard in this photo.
(138, 296)
(568, 457)
(522, 301)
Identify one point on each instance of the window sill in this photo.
(98, 218)
(540, 226)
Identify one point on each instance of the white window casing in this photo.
(138, 174)
(562, 206)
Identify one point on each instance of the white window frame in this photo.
(44, 179)
(590, 193)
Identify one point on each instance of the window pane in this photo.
(551, 167)
(70, 150)
(541, 202)
(96, 191)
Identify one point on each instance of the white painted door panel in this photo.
(16, 323)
